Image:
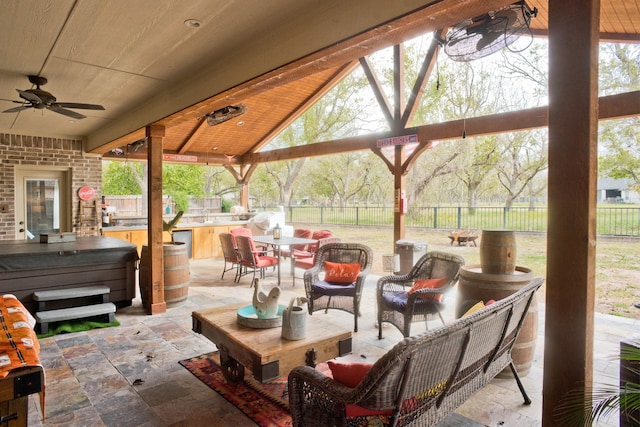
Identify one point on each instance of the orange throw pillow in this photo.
(341, 273)
(429, 284)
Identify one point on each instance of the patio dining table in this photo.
(283, 241)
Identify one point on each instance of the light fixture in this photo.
(240, 123)
(137, 145)
(192, 23)
(226, 113)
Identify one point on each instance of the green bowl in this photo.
(247, 317)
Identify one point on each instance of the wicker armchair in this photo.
(423, 378)
(400, 308)
(323, 295)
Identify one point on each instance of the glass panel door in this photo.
(43, 207)
(41, 202)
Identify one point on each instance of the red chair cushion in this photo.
(305, 263)
(321, 234)
(341, 272)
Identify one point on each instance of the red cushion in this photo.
(341, 273)
(305, 263)
(429, 284)
(359, 411)
(349, 373)
(321, 234)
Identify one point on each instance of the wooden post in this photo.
(399, 196)
(571, 237)
(156, 304)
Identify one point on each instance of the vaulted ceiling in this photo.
(146, 64)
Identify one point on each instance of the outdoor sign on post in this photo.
(180, 158)
(397, 140)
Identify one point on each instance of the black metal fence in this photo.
(621, 221)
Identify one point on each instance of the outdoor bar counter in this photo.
(28, 265)
(202, 238)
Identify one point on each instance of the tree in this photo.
(479, 160)
(619, 140)
(182, 181)
(523, 157)
(333, 116)
(121, 178)
(217, 181)
(343, 176)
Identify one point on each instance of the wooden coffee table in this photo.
(264, 351)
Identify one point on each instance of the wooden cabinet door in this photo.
(124, 235)
(217, 249)
(203, 242)
(139, 238)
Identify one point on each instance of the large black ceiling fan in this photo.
(41, 99)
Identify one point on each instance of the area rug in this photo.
(79, 325)
(267, 404)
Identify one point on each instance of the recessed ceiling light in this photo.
(192, 23)
(240, 123)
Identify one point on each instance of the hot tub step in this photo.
(45, 317)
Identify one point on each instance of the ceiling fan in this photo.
(486, 34)
(41, 99)
(226, 113)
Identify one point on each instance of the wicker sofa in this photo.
(423, 378)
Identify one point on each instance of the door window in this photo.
(41, 203)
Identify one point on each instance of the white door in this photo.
(42, 202)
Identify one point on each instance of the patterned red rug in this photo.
(265, 403)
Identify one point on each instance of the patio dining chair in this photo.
(336, 279)
(253, 259)
(417, 295)
(305, 259)
(304, 233)
(231, 256)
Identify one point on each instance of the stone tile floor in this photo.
(129, 375)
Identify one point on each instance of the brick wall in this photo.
(23, 150)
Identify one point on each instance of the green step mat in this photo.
(79, 325)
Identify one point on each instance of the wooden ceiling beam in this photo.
(378, 92)
(611, 107)
(421, 80)
(199, 128)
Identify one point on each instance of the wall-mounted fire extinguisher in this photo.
(400, 201)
